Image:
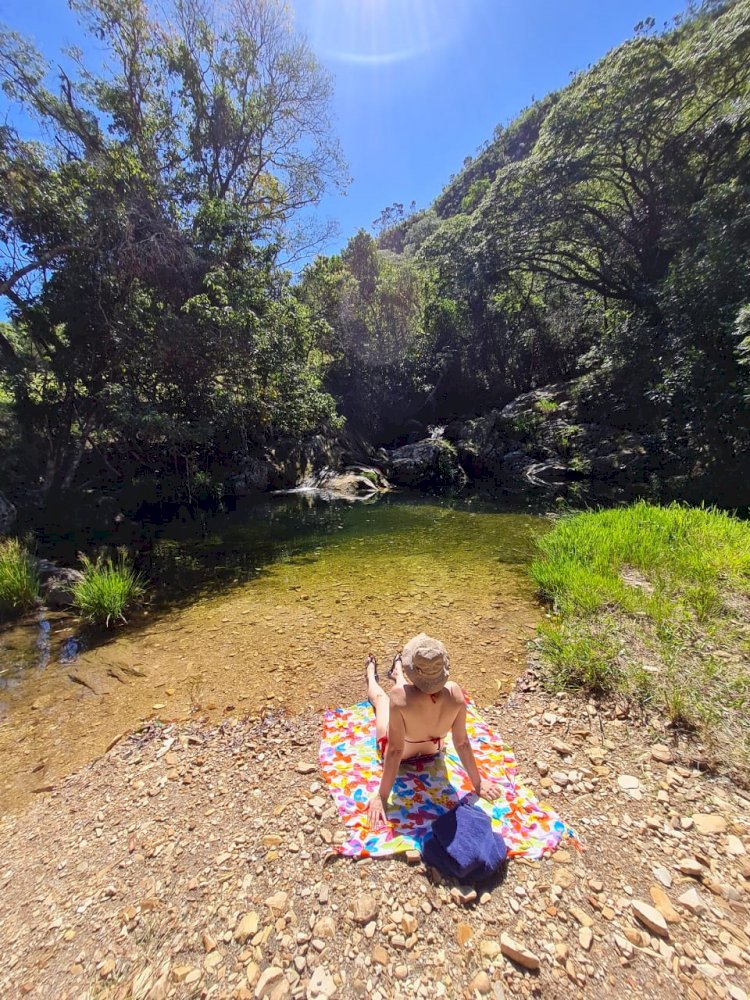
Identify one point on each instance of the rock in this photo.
(735, 846)
(325, 928)
(401, 972)
(563, 877)
(692, 901)
(650, 918)
(365, 909)
(428, 464)
(623, 946)
(662, 753)
(413, 857)
(380, 955)
(709, 823)
(585, 937)
(305, 767)
(561, 747)
(246, 927)
(662, 875)
(663, 904)
(463, 933)
(628, 782)
(518, 953)
(268, 980)
(481, 983)
(581, 916)
(57, 589)
(489, 949)
(464, 894)
(689, 866)
(278, 901)
(321, 985)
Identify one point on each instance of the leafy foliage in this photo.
(153, 325)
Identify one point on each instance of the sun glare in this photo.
(381, 32)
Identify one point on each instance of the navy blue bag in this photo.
(461, 843)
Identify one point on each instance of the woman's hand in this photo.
(376, 812)
(489, 790)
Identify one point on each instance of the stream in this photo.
(272, 607)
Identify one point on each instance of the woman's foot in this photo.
(372, 662)
(396, 663)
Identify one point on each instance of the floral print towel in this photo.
(426, 787)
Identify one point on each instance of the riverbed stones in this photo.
(734, 846)
(650, 917)
(663, 904)
(709, 823)
(247, 926)
(662, 753)
(321, 986)
(269, 981)
(481, 983)
(365, 908)
(692, 901)
(518, 953)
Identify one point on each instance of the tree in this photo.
(141, 241)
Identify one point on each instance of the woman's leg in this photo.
(378, 699)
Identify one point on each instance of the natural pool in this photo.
(274, 606)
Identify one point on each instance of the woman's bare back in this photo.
(427, 719)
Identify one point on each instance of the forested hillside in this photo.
(598, 245)
(601, 239)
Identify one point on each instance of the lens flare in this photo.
(373, 33)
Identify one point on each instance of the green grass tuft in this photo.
(107, 589)
(19, 579)
(653, 603)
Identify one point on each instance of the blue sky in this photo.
(419, 84)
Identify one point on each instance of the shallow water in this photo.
(275, 607)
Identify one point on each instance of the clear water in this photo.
(273, 606)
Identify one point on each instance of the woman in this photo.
(415, 719)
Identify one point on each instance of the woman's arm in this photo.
(376, 807)
(485, 788)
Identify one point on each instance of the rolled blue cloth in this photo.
(462, 843)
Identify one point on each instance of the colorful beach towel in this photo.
(427, 787)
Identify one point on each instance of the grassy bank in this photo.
(19, 580)
(653, 603)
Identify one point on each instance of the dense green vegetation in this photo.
(108, 588)
(142, 239)
(603, 237)
(652, 603)
(601, 241)
(19, 579)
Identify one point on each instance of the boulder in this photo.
(430, 464)
(57, 588)
(543, 438)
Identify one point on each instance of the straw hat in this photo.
(426, 663)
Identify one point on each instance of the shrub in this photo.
(19, 580)
(107, 590)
